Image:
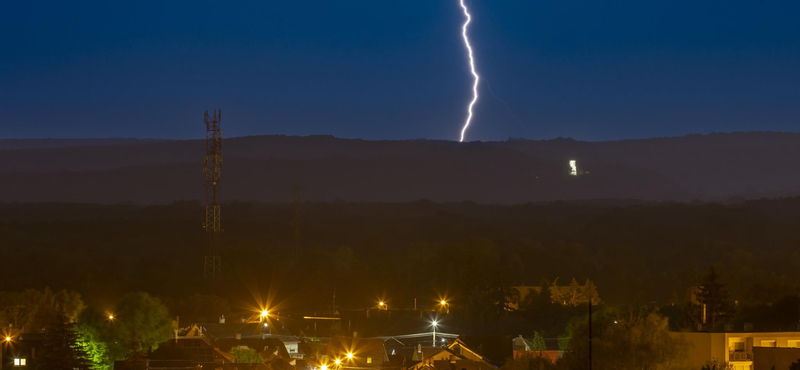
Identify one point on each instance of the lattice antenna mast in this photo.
(298, 218)
(212, 166)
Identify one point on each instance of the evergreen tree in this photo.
(574, 292)
(589, 292)
(537, 342)
(555, 293)
(60, 348)
(714, 296)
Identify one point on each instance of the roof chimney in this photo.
(244, 321)
(222, 319)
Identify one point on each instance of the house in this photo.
(492, 348)
(20, 352)
(454, 356)
(767, 358)
(741, 348)
(523, 347)
(248, 330)
(268, 348)
(354, 352)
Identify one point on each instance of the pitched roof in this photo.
(361, 348)
(265, 345)
(494, 348)
(247, 329)
(455, 356)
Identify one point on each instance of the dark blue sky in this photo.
(377, 69)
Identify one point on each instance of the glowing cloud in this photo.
(472, 68)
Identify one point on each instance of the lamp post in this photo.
(434, 324)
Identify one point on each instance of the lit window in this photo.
(369, 360)
(19, 362)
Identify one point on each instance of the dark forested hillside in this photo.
(633, 251)
(265, 168)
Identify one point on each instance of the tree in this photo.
(537, 342)
(628, 339)
(589, 292)
(44, 311)
(574, 292)
(137, 358)
(555, 293)
(246, 355)
(143, 313)
(714, 296)
(60, 348)
(92, 326)
(70, 301)
(529, 362)
(794, 366)
(717, 364)
(110, 340)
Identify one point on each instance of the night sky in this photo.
(375, 69)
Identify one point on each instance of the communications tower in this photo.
(212, 166)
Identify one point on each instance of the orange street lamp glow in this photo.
(264, 313)
(350, 355)
(8, 339)
(381, 304)
(443, 302)
(337, 361)
(111, 317)
(323, 367)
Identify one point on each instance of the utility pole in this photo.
(212, 166)
(590, 333)
(334, 307)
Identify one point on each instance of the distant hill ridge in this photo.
(264, 168)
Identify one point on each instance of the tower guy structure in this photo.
(212, 166)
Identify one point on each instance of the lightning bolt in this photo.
(472, 68)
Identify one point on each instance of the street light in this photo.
(434, 324)
(382, 305)
(323, 367)
(8, 339)
(337, 361)
(349, 355)
(264, 314)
